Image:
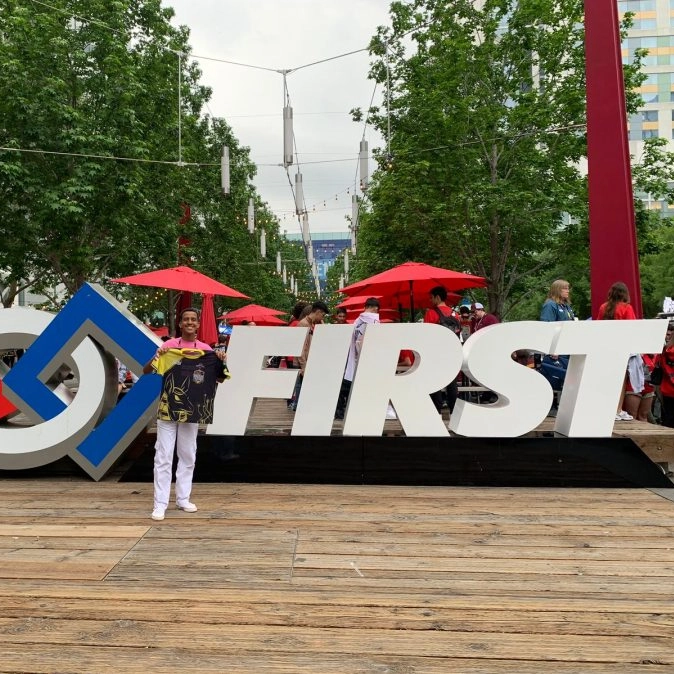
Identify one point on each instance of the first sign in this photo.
(94, 429)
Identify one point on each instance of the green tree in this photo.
(487, 115)
(106, 87)
(77, 92)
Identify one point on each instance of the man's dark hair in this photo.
(463, 309)
(192, 309)
(372, 302)
(439, 291)
(320, 306)
(340, 310)
(298, 308)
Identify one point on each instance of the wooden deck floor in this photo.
(335, 580)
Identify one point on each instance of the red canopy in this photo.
(161, 331)
(356, 301)
(181, 278)
(422, 276)
(402, 300)
(263, 320)
(251, 312)
(354, 313)
(413, 280)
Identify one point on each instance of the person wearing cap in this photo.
(466, 320)
(481, 319)
(369, 316)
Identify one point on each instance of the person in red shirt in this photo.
(666, 362)
(481, 319)
(618, 308)
(432, 315)
(406, 358)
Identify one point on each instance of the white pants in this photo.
(186, 434)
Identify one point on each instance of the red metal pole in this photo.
(613, 244)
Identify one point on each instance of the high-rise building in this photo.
(652, 30)
(327, 247)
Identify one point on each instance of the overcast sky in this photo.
(285, 35)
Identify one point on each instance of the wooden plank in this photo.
(271, 638)
(49, 542)
(656, 527)
(66, 571)
(493, 619)
(340, 596)
(121, 660)
(73, 531)
(507, 549)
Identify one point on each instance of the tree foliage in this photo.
(74, 94)
(487, 119)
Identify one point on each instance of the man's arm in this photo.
(148, 367)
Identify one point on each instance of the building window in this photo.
(644, 24)
(636, 5)
(649, 115)
(649, 133)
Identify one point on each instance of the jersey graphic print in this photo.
(188, 385)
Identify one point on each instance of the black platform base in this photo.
(484, 462)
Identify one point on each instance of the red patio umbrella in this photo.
(397, 302)
(264, 320)
(181, 278)
(356, 301)
(251, 312)
(208, 330)
(188, 280)
(161, 331)
(413, 277)
(389, 313)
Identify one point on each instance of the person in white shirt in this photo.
(369, 316)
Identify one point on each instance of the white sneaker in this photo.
(618, 417)
(625, 416)
(158, 514)
(187, 507)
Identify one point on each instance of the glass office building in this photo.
(652, 30)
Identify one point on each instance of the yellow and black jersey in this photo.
(189, 382)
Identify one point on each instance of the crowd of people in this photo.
(188, 391)
(191, 370)
(648, 387)
(648, 390)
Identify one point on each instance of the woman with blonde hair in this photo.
(557, 306)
